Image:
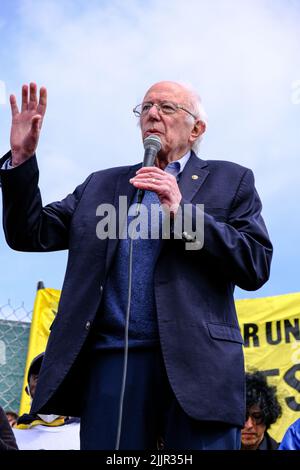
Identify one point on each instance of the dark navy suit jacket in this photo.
(199, 332)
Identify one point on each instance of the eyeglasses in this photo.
(165, 107)
(257, 417)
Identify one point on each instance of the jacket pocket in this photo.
(225, 332)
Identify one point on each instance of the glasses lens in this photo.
(165, 107)
(168, 108)
(145, 107)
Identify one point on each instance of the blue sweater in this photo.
(109, 328)
(110, 324)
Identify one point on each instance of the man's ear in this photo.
(198, 129)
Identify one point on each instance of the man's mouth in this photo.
(152, 131)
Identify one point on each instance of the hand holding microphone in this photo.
(152, 178)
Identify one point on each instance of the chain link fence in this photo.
(15, 325)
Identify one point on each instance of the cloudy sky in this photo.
(97, 58)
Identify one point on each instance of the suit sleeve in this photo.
(28, 226)
(240, 247)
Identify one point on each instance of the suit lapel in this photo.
(192, 178)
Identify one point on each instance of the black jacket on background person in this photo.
(268, 443)
(7, 438)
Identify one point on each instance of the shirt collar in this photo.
(177, 167)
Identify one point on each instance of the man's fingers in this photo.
(32, 96)
(153, 169)
(42, 101)
(36, 124)
(13, 105)
(24, 98)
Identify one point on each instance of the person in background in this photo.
(7, 438)
(32, 379)
(12, 417)
(262, 410)
(291, 438)
(41, 431)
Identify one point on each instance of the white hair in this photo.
(197, 108)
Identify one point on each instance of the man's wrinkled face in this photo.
(176, 131)
(254, 429)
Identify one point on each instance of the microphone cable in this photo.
(152, 145)
(125, 361)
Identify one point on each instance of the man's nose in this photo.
(153, 112)
(248, 423)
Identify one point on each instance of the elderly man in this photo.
(177, 372)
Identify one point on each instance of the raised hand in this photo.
(26, 125)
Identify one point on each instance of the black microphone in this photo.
(152, 145)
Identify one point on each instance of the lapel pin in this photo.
(195, 177)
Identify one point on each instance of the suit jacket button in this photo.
(87, 325)
(101, 289)
(187, 236)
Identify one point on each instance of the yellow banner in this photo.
(44, 311)
(271, 332)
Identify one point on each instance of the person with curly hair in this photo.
(262, 410)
